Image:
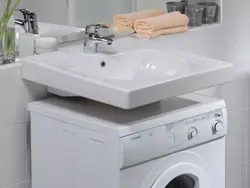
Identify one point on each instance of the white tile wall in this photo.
(25, 184)
(248, 136)
(12, 96)
(237, 176)
(14, 151)
(235, 92)
(248, 89)
(12, 160)
(27, 150)
(3, 159)
(236, 140)
(248, 170)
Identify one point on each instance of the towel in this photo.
(171, 23)
(168, 31)
(127, 20)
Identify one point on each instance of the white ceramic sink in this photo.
(145, 65)
(128, 79)
(63, 33)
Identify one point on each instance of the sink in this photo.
(130, 65)
(62, 33)
(128, 78)
(144, 65)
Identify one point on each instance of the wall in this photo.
(14, 125)
(236, 44)
(235, 49)
(229, 42)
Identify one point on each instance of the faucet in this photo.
(29, 23)
(92, 38)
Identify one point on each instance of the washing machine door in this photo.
(187, 170)
(183, 175)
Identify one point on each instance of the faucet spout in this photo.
(104, 40)
(29, 23)
(92, 38)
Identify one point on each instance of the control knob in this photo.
(217, 127)
(193, 132)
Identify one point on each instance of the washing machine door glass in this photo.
(183, 175)
(183, 181)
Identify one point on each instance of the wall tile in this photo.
(12, 160)
(235, 92)
(12, 95)
(16, 153)
(27, 152)
(25, 184)
(248, 135)
(236, 176)
(236, 139)
(3, 158)
(28, 184)
(215, 92)
(248, 174)
(248, 90)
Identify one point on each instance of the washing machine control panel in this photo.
(173, 137)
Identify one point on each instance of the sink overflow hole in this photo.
(103, 64)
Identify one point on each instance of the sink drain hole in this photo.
(103, 64)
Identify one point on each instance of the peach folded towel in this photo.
(168, 31)
(127, 20)
(163, 24)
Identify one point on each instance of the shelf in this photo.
(204, 26)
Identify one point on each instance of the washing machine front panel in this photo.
(173, 137)
(199, 167)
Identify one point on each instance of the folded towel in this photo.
(127, 20)
(168, 31)
(174, 22)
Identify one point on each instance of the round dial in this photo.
(218, 126)
(193, 132)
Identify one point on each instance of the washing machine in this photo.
(175, 143)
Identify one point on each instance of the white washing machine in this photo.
(175, 143)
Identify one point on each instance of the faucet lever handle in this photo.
(98, 26)
(25, 13)
(94, 29)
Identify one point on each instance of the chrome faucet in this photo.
(29, 23)
(92, 38)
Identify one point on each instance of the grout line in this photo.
(18, 183)
(229, 111)
(238, 164)
(247, 136)
(13, 125)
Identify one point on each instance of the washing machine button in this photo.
(217, 127)
(193, 133)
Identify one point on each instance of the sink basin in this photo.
(127, 79)
(62, 33)
(143, 65)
